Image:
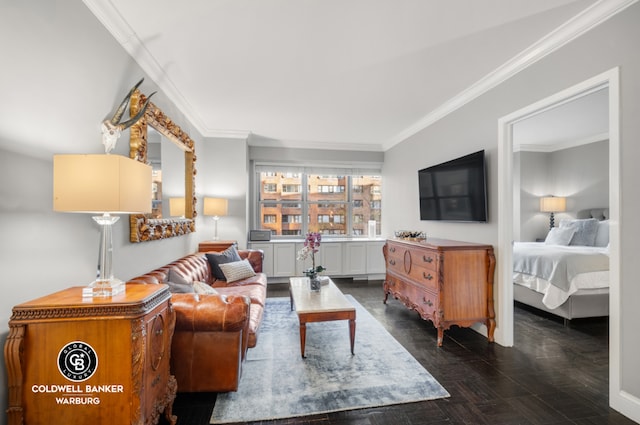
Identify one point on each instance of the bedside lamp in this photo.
(104, 184)
(176, 207)
(216, 207)
(553, 204)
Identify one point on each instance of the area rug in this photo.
(278, 383)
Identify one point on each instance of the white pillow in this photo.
(237, 270)
(203, 288)
(559, 236)
(602, 235)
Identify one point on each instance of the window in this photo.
(289, 188)
(292, 218)
(326, 202)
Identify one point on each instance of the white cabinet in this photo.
(331, 258)
(348, 258)
(355, 258)
(375, 258)
(267, 261)
(284, 259)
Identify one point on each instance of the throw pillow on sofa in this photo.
(178, 284)
(203, 288)
(237, 270)
(215, 259)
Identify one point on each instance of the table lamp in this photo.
(104, 184)
(176, 207)
(553, 204)
(216, 207)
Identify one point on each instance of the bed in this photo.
(567, 274)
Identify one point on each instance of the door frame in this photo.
(505, 329)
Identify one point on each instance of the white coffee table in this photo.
(329, 303)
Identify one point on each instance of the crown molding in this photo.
(299, 144)
(109, 16)
(586, 20)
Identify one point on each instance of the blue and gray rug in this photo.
(278, 383)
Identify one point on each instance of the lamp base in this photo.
(103, 288)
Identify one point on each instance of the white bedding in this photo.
(555, 296)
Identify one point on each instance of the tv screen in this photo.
(454, 190)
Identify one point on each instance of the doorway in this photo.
(505, 328)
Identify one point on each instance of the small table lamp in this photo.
(216, 207)
(176, 207)
(106, 184)
(553, 204)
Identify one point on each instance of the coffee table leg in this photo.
(352, 332)
(303, 336)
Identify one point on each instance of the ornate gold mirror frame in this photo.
(142, 227)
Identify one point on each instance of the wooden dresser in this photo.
(446, 282)
(91, 361)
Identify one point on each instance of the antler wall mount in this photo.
(112, 127)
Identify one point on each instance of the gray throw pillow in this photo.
(178, 284)
(586, 230)
(229, 255)
(558, 236)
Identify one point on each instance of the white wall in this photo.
(581, 174)
(62, 74)
(223, 171)
(474, 127)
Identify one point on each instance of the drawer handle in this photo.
(392, 249)
(427, 259)
(158, 332)
(427, 302)
(392, 262)
(427, 276)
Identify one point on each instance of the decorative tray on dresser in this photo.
(446, 282)
(92, 361)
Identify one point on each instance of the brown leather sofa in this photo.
(213, 331)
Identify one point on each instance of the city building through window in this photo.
(292, 204)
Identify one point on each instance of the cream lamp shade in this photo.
(103, 184)
(176, 207)
(216, 207)
(553, 204)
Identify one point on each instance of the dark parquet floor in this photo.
(554, 375)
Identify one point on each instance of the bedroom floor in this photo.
(553, 375)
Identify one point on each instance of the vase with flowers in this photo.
(310, 248)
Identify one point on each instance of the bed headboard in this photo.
(599, 213)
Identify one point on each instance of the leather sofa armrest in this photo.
(211, 312)
(255, 257)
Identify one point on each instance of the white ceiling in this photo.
(577, 122)
(349, 74)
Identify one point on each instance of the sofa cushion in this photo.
(229, 255)
(203, 288)
(237, 270)
(178, 283)
(256, 293)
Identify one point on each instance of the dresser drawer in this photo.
(425, 277)
(423, 301)
(419, 265)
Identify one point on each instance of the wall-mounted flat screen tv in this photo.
(454, 190)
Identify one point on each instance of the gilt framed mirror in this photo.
(145, 227)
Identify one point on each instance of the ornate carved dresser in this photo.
(446, 282)
(91, 361)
